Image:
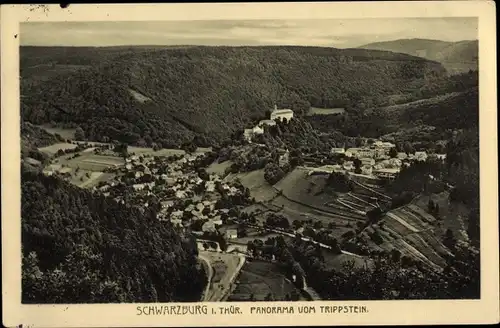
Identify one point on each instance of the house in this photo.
(247, 134)
(386, 172)
(257, 130)
(367, 161)
(128, 166)
(420, 156)
(402, 155)
(139, 186)
(337, 151)
(200, 207)
(177, 214)
(231, 233)
(366, 169)
(284, 159)
(217, 220)
(267, 122)
(440, 156)
(352, 152)
(210, 186)
(281, 114)
(387, 145)
(180, 194)
(167, 203)
(348, 166)
(208, 226)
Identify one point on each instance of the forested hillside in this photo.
(81, 247)
(170, 95)
(33, 137)
(451, 103)
(455, 56)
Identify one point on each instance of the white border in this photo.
(485, 310)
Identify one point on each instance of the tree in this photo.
(269, 297)
(431, 206)
(408, 148)
(393, 153)
(205, 246)
(449, 239)
(79, 134)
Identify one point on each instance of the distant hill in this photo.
(450, 103)
(455, 56)
(171, 95)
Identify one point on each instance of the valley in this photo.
(252, 182)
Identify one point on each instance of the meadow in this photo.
(325, 111)
(260, 189)
(52, 149)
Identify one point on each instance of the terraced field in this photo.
(410, 230)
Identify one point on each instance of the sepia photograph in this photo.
(226, 161)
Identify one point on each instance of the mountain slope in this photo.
(455, 56)
(80, 247)
(210, 92)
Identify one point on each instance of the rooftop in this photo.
(282, 111)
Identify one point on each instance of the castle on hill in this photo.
(276, 115)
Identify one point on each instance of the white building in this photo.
(283, 160)
(231, 233)
(420, 156)
(367, 169)
(367, 161)
(267, 122)
(208, 226)
(247, 134)
(348, 166)
(281, 114)
(337, 151)
(257, 130)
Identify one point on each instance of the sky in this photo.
(339, 33)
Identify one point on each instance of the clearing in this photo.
(52, 149)
(219, 168)
(66, 133)
(325, 111)
(260, 189)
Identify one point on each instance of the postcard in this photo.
(249, 164)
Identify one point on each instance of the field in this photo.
(219, 168)
(453, 215)
(52, 149)
(150, 151)
(260, 279)
(337, 261)
(325, 111)
(410, 229)
(162, 152)
(63, 132)
(85, 170)
(254, 180)
(90, 162)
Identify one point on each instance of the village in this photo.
(230, 219)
